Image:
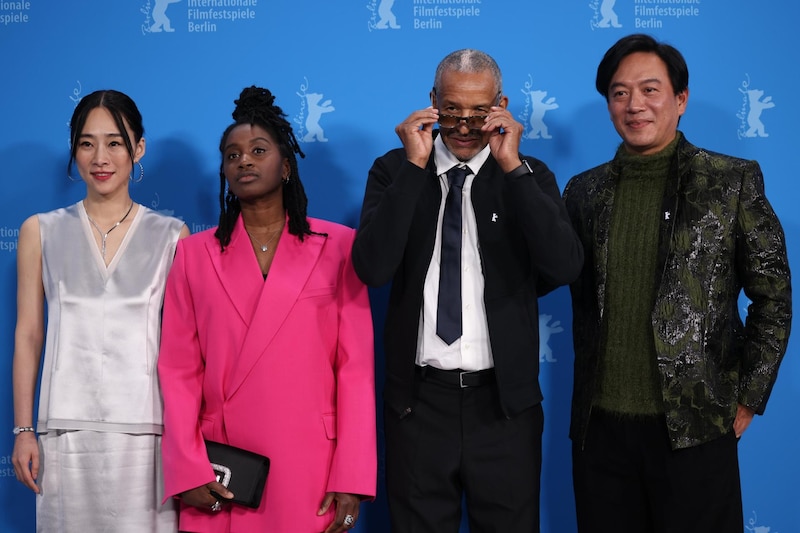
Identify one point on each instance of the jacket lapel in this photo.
(673, 204)
(291, 267)
(603, 205)
(238, 271)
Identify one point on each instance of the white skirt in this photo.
(102, 482)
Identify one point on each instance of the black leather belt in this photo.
(457, 378)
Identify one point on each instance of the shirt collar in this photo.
(445, 160)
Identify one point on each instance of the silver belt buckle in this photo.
(461, 379)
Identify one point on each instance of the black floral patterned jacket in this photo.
(718, 236)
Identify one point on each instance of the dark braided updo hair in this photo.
(256, 107)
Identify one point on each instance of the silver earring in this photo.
(141, 173)
(69, 173)
(285, 180)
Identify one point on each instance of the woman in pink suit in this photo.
(267, 345)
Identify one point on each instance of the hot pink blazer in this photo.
(283, 367)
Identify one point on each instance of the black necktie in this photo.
(448, 315)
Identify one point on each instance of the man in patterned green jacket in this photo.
(667, 377)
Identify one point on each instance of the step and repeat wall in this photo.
(346, 72)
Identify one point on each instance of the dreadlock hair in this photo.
(256, 107)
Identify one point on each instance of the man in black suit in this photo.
(463, 403)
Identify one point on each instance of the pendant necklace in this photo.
(265, 247)
(104, 236)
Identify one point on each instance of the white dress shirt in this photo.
(472, 351)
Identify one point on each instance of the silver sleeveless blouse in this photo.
(103, 323)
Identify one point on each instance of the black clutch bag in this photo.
(244, 473)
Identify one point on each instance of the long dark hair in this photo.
(122, 109)
(256, 107)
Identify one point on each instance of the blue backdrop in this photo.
(346, 72)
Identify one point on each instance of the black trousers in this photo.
(455, 445)
(627, 479)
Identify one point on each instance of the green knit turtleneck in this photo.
(629, 383)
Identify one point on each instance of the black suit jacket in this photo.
(527, 247)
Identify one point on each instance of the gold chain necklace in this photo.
(104, 236)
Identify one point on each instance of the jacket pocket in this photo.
(329, 421)
(210, 429)
(315, 292)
